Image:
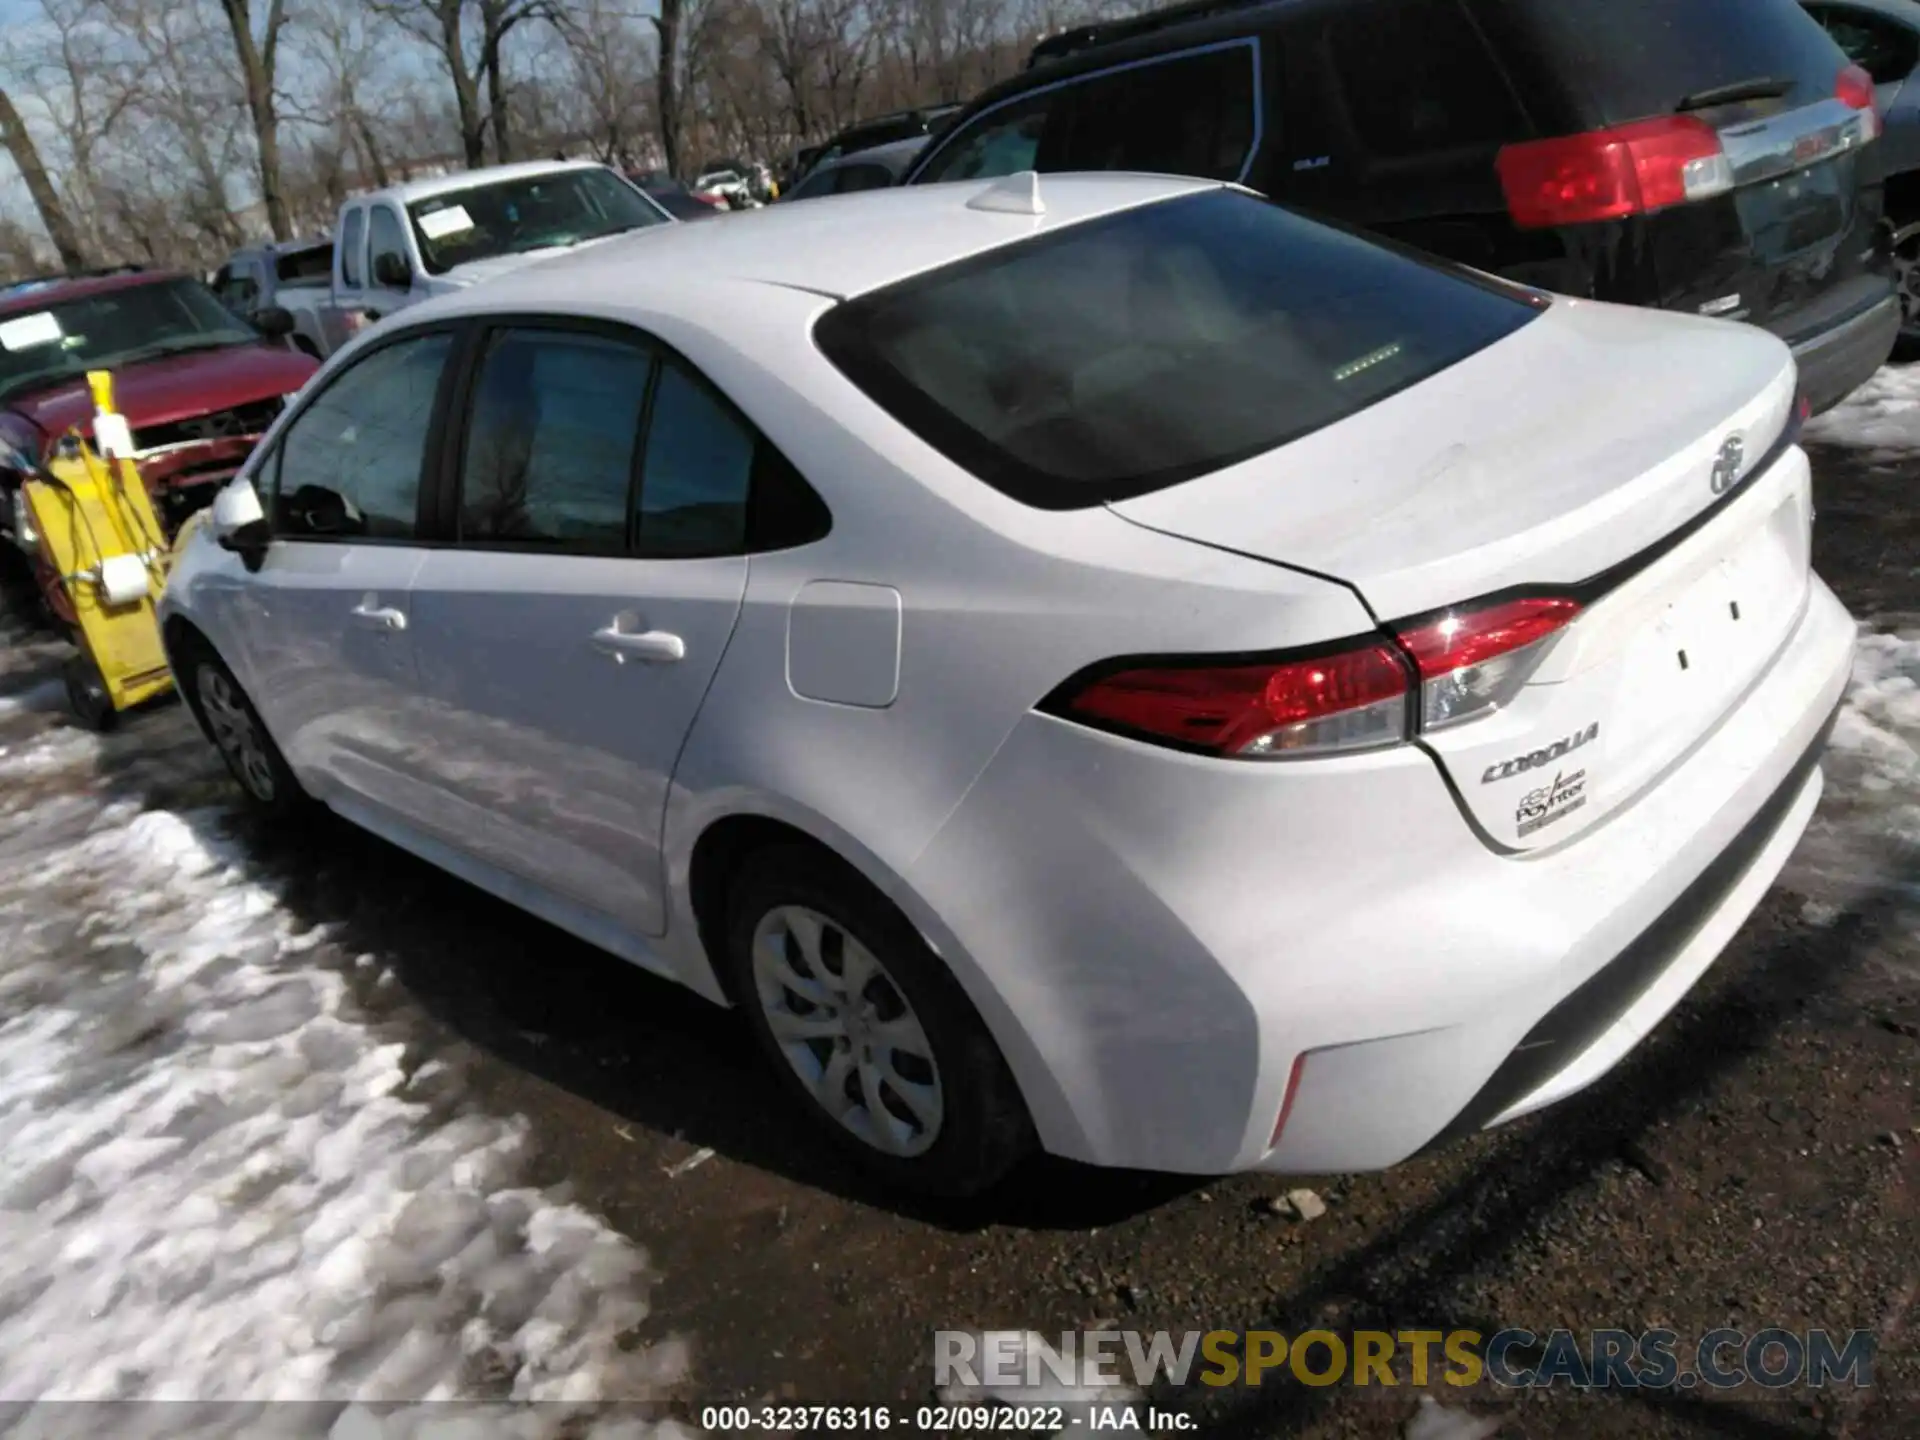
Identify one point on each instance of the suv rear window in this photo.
(1133, 352)
(1639, 58)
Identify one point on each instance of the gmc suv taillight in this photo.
(1363, 696)
(1855, 87)
(1607, 174)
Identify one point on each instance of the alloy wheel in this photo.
(1906, 276)
(236, 733)
(848, 1030)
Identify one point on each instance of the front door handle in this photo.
(651, 647)
(379, 617)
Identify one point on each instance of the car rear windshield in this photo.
(1130, 353)
(1640, 58)
(302, 267)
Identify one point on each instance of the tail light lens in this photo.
(1352, 699)
(1607, 174)
(1855, 87)
(1355, 698)
(1475, 662)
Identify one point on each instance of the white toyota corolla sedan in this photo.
(1101, 662)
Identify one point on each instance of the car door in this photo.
(568, 636)
(324, 619)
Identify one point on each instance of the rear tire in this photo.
(1904, 240)
(867, 1029)
(238, 733)
(87, 694)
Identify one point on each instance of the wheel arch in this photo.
(721, 850)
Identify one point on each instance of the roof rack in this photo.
(1106, 32)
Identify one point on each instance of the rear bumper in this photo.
(1838, 360)
(1162, 942)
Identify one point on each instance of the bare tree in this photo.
(667, 105)
(449, 26)
(259, 60)
(26, 156)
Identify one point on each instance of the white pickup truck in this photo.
(396, 247)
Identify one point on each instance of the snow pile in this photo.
(223, 1183)
(1866, 837)
(1881, 417)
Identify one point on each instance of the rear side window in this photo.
(303, 266)
(1885, 49)
(863, 177)
(1416, 78)
(1641, 58)
(1127, 354)
(549, 455)
(353, 237)
(1192, 115)
(697, 476)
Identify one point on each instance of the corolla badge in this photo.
(1726, 465)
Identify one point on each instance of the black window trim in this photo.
(444, 479)
(1255, 143)
(424, 534)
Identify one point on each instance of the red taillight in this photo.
(1855, 87)
(1607, 174)
(1477, 660)
(1352, 699)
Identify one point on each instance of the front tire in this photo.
(868, 1030)
(241, 737)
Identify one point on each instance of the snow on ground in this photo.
(1881, 417)
(223, 1181)
(1864, 842)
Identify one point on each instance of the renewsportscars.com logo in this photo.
(1515, 1358)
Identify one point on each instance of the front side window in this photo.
(353, 241)
(1002, 142)
(349, 465)
(1193, 115)
(113, 328)
(1126, 354)
(512, 217)
(549, 457)
(697, 474)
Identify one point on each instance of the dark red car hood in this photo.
(173, 387)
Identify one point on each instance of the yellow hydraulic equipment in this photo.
(98, 531)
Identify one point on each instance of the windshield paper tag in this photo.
(27, 331)
(442, 223)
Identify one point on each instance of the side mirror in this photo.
(274, 321)
(239, 524)
(391, 271)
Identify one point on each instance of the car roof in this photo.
(840, 248)
(414, 190)
(59, 292)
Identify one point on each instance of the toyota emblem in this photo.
(1726, 465)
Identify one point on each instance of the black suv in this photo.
(1697, 155)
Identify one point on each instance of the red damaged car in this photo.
(197, 384)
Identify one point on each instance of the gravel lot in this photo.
(299, 1117)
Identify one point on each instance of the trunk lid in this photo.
(1600, 451)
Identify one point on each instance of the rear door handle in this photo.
(651, 647)
(379, 617)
